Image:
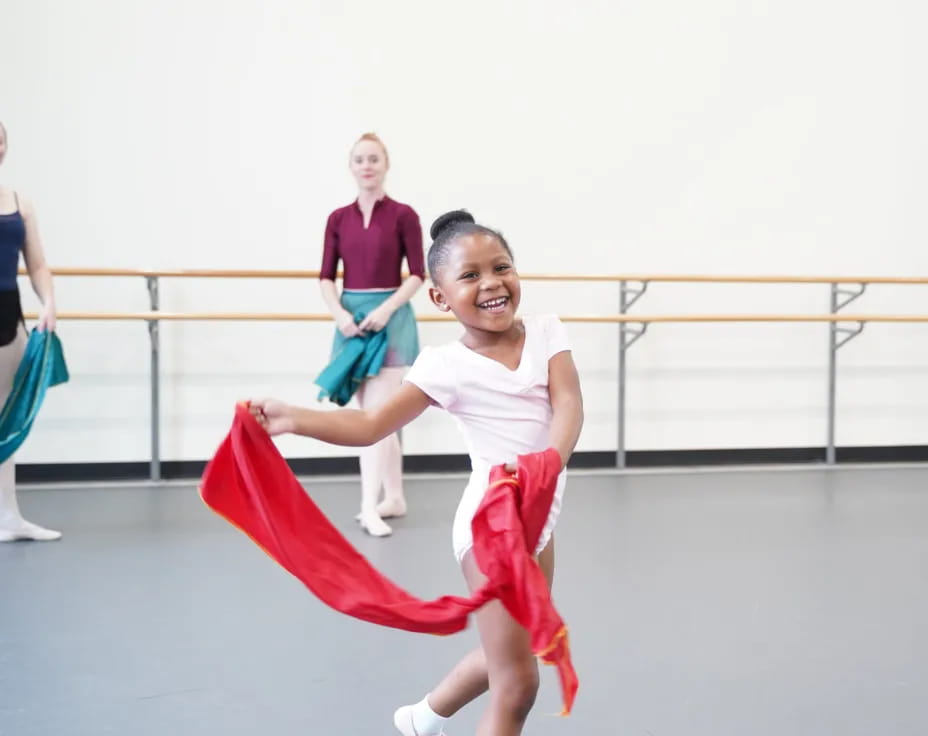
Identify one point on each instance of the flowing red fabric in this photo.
(249, 483)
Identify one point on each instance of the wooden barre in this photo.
(613, 278)
(590, 318)
(728, 279)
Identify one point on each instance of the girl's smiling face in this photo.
(478, 282)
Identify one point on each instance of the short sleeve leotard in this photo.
(501, 413)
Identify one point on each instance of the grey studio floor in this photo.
(760, 602)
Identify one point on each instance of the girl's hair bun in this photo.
(449, 219)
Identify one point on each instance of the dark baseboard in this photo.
(193, 469)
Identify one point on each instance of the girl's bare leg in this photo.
(469, 679)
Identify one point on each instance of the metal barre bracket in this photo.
(837, 304)
(851, 295)
(849, 334)
(624, 302)
(631, 335)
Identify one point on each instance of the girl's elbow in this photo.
(578, 423)
(576, 410)
(371, 432)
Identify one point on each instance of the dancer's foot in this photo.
(388, 510)
(25, 530)
(374, 525)
(426, 724)
(391, 508)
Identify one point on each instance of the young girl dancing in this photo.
(511, 384)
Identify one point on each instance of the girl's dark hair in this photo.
(449, 227)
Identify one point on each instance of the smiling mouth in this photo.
(494, 305)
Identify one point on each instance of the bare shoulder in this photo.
(25, 205)
(8, 199)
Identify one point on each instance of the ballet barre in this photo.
(591, 318)
(631, 327)
(207, 273)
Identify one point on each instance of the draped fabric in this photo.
(249, 483)
(41, 367)
(357, 358)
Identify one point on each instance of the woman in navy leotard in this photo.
(19, 233)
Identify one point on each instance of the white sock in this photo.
(426, 720)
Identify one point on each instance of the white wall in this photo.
(673, 137)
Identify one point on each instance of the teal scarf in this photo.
(42, 366)
(359, 358)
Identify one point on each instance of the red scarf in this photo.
(249, 483)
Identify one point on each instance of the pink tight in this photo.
(382, 463)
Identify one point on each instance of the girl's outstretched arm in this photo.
(348, 427)
(567, 403)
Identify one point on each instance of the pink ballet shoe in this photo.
(392, 509)
(388, 510)
(26, 531)
(374, 525)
